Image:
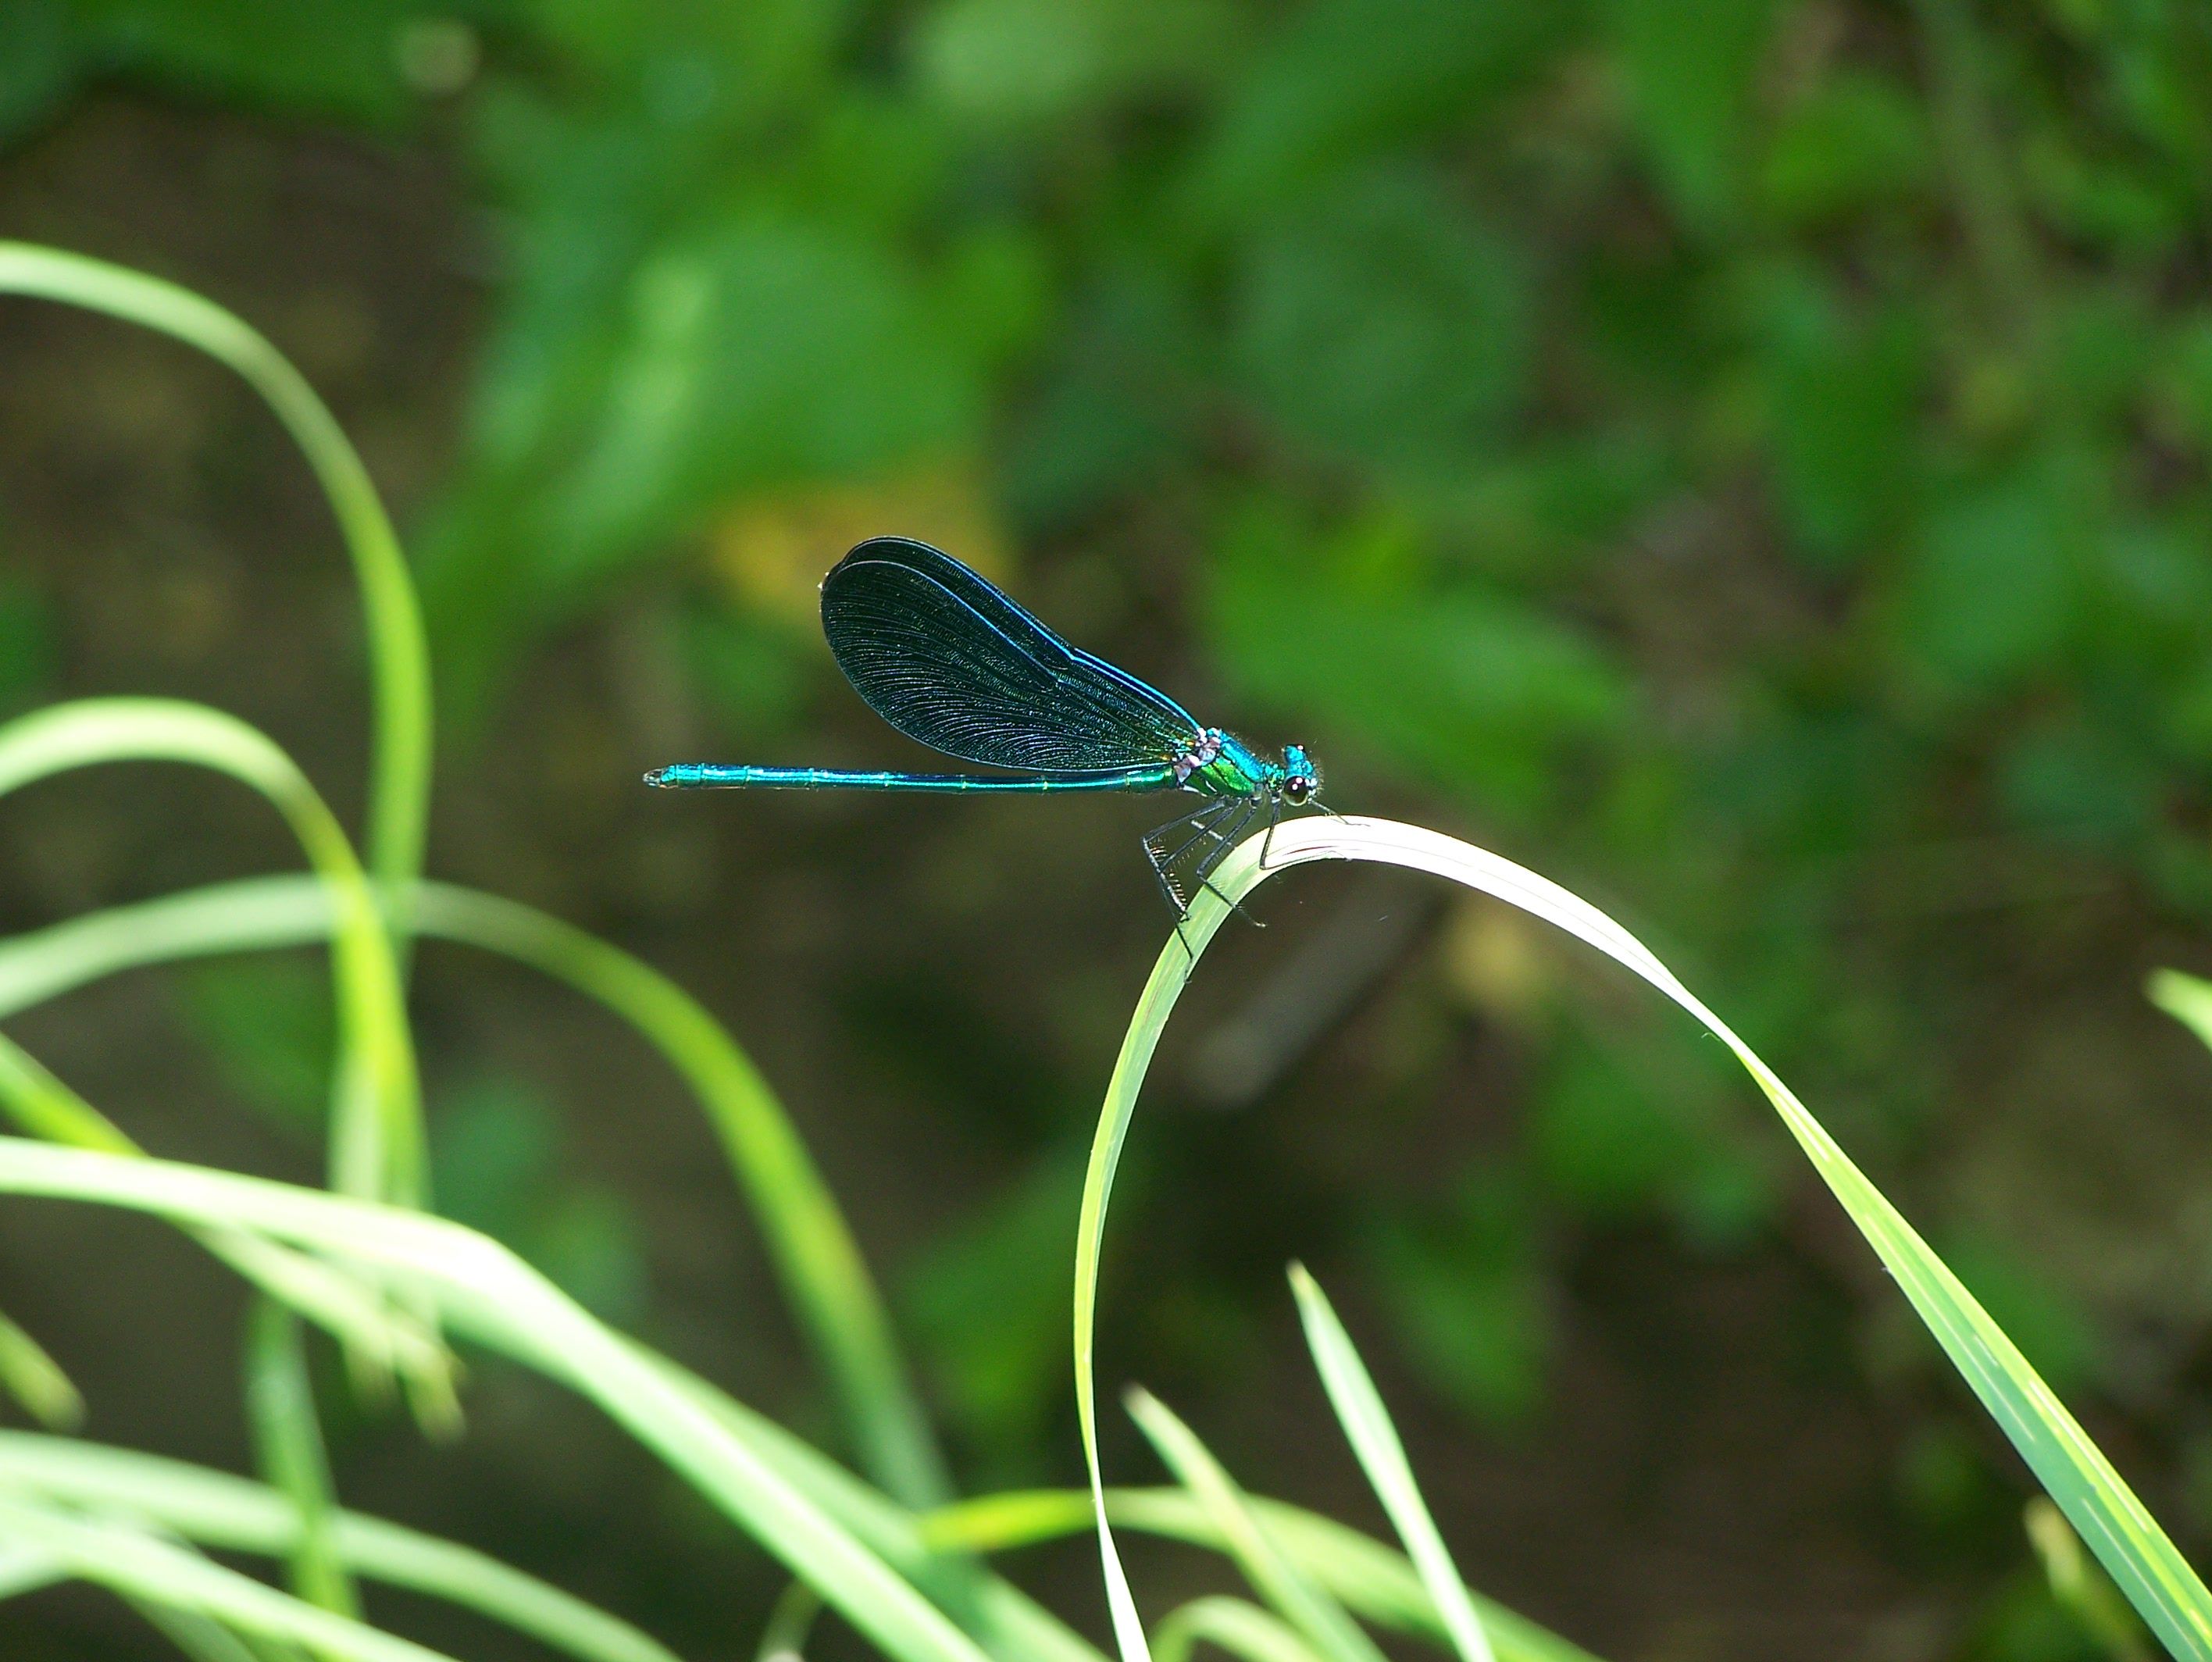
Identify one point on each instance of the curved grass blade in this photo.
(216, 1510)
(790, 1623)
(352, 1311)
(1371, 1580)
(1236, 1625)
(139, 1566)
(1334, 1635)
(484, 1291)
(2140, 1558)
(819, 1265)
(398, 657)
(1009, 1622)
(1367, 1424)
(204, 1639)
(377, 1138)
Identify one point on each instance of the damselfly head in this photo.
(1301, 780)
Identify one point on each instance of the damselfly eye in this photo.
(1296, 790)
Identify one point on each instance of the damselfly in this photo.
(947, 659)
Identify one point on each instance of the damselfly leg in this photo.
(1162, 858)
(1225, 840)
(1205, 826)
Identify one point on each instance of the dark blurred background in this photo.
(1746, 458)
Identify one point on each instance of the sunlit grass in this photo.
(2112, 1521)
(892, 1553)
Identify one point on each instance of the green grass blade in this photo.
(823, 1277)
(1374, 1439)
(377, 1141)
(2081, 1589)
(1332, 1633)
(36, 1380)
(1371, 1580)
(817, 1260)
(216, 1510)
(26, 1569)
(790, 1622)
(2186, 999)
(399, 656)
(143, 1567)
(287, 1437)
(483, 1290)
(202, 1639)
(2135, 1552)
(351, 1310)
(1005, 1620)
(1237, 1625)
(232, 1512)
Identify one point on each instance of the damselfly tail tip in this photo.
(658, 776)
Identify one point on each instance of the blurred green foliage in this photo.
(1759, 450)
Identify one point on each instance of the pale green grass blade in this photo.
(1005, 1620)
(377, 1141)
(1374, 1439)
(202, 1639)
(350, 1309)
(2187, 998)
(36, 1380)
(483, 1290)
(216, 1510)
(220, 1510)
(287, 1438)
(817, 1260)
(1369, 1578)
(398, 657)
(2081, 1587)
(2138, 1555)
(823, 1277)
(790, 1622)
(139, 1566)
(26, 1569)
(1332, 1633)
(1236, 1625)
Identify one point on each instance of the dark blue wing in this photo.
(950, 661)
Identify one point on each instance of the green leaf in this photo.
(1464, 685)
(1346, 78)
(1845, 395)
(1989, 595)
(1690, 65)
(1464, 1286)
(1858, 142)
(1378, 320)
(1031, 62)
